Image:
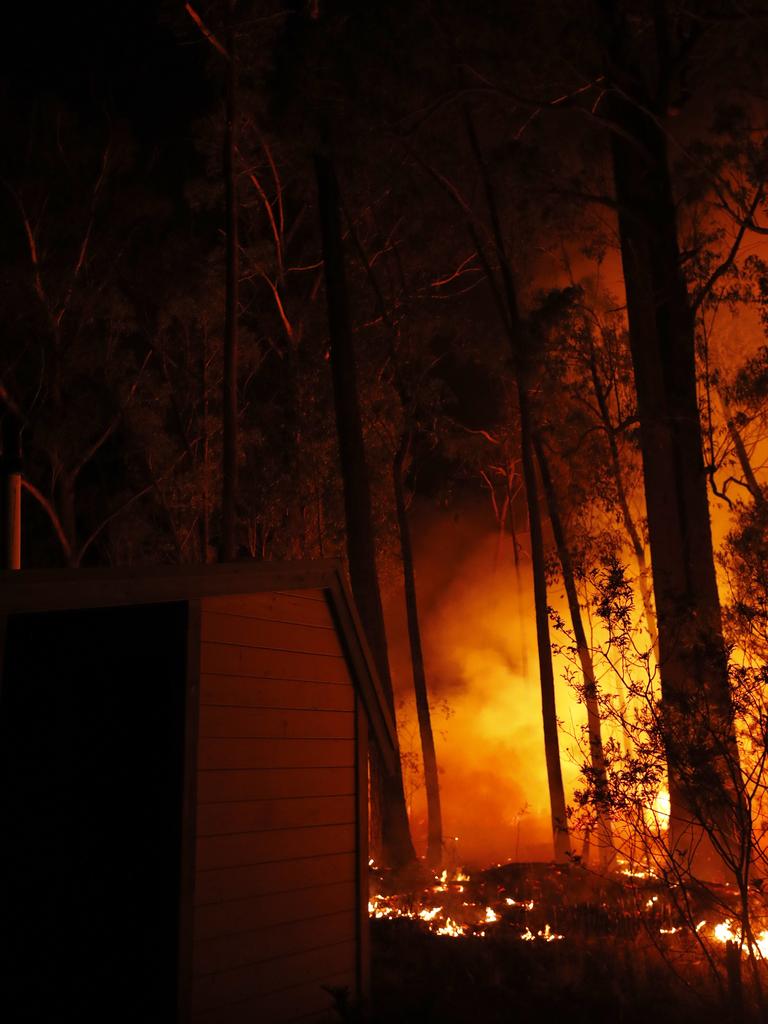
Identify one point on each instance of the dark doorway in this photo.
(91, 752)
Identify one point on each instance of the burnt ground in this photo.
(613, 963)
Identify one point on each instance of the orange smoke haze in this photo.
(480, 651)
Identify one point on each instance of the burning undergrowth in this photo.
(544, 939)
(461, 905)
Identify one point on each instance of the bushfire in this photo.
(455, 916)
(476, 906)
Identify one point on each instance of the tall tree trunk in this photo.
(596, 752)
(696, 717)
(431, 780)
(229, 489)
(519, 606)
(429, 759)
(541, 607)
(205, 511)
(516, 330)
(397, 847)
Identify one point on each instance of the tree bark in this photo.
(519, 606)
(431, 780)
(429, 759)
(397, 847)
(596, 752)
(205, 498)
(516, 330)
(696, 708)
(546, 669)
(229, 487)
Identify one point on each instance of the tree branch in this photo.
(111, 426)
(206, 31)
(47, 505)
(728, 262)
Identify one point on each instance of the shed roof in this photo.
(33, 590)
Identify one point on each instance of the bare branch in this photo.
(32, 247)
(111, 426)
(730, 259)
(205, 30)
(481, 433)
(271, 218)
(10, 403)
(280, 307)
(83, 252)
(47, 505)
(278, 189)
(458, 272)
(112, 515)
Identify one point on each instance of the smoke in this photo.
(482, 673)
(477, 621)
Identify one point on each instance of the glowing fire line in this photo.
(442, 920)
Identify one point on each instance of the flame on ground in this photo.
(526, 904)
(458, 918)
(451, 928)
(728, 931)
(455, 916)
(544, 933)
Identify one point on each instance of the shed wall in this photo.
(276, 879)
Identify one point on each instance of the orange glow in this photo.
(479, 639)
(728, 931)
(454, 916)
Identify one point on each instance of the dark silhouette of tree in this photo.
(596, 753)
(230, 172)
(693, 662)
(517, 331)
(396, 840)
(410, 396)
(230, 380)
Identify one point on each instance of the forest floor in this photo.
(529, 943)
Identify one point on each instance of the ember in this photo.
(727, 931)
(462, 913)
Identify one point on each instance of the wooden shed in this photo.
(183, 767)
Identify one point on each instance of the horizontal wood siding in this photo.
(224, 628)
(306, 1001)
(220, 884)
(235, 752)
(262, 912)
(261, 815)
(277, 723)
(245, 848)
(213, 990)
(276, 902)
(301, 666)
(270, 783)
(225, 952)
(249, 692)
